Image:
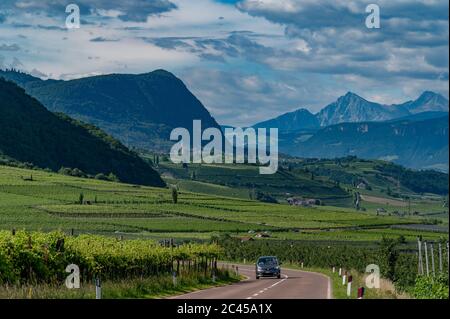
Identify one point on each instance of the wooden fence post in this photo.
(432, 259)
(419, 242)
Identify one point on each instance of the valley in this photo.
(61, 174)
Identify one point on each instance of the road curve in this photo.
(294, 284)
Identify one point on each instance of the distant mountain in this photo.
(427, 102)
(351, 108)
(140, 110)
(30, 133)
(414, 144)
(293, 121)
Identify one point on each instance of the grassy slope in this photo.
(246, 178)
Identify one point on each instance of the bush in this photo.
(75, 172)
(101, 177)
(431, 287)
(265, 198)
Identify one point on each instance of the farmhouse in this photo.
(362, 185)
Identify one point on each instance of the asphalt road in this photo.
(294, 284)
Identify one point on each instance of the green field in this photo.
(52, 202)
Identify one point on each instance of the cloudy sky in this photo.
(245, 60)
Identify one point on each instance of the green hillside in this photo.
(248, 181)
(30, 133)
(139, 110)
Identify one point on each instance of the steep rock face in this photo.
(427, 102)
(352, 108)
(31, 133)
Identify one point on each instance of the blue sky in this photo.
(245, 60)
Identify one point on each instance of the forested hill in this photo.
(140, 110)
(30, 133)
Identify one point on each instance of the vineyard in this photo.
(397, 262)
(114, 231)
(45, 201)
(42, 258)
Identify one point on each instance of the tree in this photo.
(113, 178)
(174, 194)
(389, 255)
(81, 199)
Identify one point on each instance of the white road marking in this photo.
(265, 289)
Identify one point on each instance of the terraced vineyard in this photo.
(39, 200)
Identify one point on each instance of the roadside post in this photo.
(334, 270)
(98, 288)
(344, 279)
(174, 278)
(440, 258)
(361, 293)
(349, 286)
(340, 272)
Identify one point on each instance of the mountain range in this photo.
(139, 110)
(31, 134)
(413, 134)
(351, 108)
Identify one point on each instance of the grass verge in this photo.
(339, 291)
(156, 287)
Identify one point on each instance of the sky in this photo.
(247, 60)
